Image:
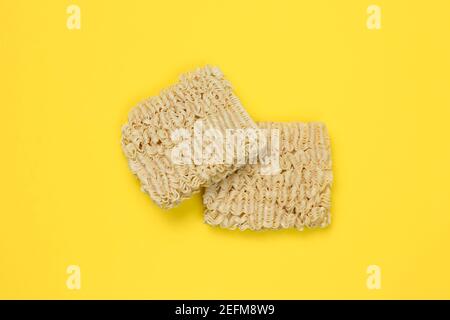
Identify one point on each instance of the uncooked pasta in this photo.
(147, 139)
(298, 196)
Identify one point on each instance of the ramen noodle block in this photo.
(201, 96)
(297, 196)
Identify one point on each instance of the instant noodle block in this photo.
(202, 96)
(297, 196)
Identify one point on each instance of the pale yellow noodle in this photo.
(202, 94)
(297, 197)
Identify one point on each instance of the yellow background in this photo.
(68, 197)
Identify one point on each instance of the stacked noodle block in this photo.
(203, 94)
(297, 197)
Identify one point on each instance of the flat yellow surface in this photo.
(68, 197)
